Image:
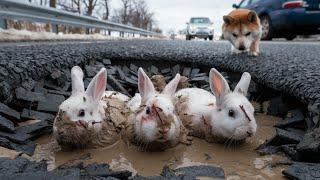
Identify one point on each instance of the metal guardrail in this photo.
(13, 9)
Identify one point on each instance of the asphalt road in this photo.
(290, 67)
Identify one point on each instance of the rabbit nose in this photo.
(82, 123)
(249, 134)
(164, 130)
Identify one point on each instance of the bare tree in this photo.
(125, 11)
(90, 5)
(141, 15)
(53, 3)
(106, 5)
(136, 13)
(70, 5)
(157, 30)
(77, 3)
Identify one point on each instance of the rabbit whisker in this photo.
(229, 141)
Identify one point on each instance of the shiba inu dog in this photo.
(243, 29)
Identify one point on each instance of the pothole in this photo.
(33, 106)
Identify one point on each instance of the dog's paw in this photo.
(253, 53)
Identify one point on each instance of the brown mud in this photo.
(239, 162)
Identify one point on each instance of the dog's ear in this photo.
(252, 17)
(228, 19)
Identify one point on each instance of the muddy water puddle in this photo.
(239, 162)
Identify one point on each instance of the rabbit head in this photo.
(82, 113)
(233, 116)
(155, 121)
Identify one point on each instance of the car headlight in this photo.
(193, 28)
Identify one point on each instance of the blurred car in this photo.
(285, 18)
(200, 27)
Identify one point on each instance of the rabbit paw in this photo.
(187, 140)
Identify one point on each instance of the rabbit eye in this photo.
(234, 35)
(81, 113)
(148, 110)
(231, 113)
(248, 34)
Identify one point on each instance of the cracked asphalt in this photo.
(290, 67)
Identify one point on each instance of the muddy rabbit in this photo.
(223, 115)
(154, 124)
(91, 118)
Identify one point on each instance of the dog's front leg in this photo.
(254, 48)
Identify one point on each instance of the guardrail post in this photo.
(87, 30)
(55, 28)
(109, 33)
(3, 23)
(132, 34)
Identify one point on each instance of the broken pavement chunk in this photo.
(51, 104)
(8, 112)
(30, 114)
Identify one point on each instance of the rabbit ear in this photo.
(77, 80)
(171, 87)
(218, 85)
(145, 85)
(243, 85)
(97, 86)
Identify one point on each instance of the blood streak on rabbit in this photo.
(221, 115)
(154, 122)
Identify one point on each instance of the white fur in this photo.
(135, 102)
(215, 109)
(90, 100)
(117, 95)
(146, 126)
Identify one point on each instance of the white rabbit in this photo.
(226, 115)
(154, 123)
(84, 119)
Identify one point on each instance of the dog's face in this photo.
(241, 27)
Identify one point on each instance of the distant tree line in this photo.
(132, 12)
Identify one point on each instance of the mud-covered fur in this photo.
(243, 29)
(90, 118)
(225, 116)
(115, 117)
(154, 125)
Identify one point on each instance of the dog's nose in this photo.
(242, 47)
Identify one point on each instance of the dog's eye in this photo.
(81, 113)
(248, 34)
(231, 113)
(235, 35)
(148, 110)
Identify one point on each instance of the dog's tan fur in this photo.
(243, 29)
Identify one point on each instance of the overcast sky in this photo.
(173, 14)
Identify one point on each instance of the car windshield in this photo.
(244, 3)
(200, 20)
